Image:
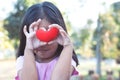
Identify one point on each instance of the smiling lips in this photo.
(42, 48)
(47, 35)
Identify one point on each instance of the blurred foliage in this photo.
(6, 46)
(9, 28)
(82, 40)
(13, 22)
(109, 32)
(4, 39)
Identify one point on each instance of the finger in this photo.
(39, 21)
(63, 33)
(66, 39)
(53, 25)
(57, 26)
(36, 27)
(25, 30)
(43, 43)
(31, 27)
(51, 42)
(33, 34)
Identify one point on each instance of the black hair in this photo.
(44, 10)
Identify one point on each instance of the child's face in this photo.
(47, 51)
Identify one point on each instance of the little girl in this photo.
(38, 60)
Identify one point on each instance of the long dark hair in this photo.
(44, 10)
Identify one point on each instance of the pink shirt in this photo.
(44, 69)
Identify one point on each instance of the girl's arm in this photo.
(29, 71)
(63, 69)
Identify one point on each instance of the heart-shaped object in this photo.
(47, 35)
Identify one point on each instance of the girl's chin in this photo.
(43, 52)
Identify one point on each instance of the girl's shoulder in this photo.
(19, 63)
(20, 58)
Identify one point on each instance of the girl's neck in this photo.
(44, 60)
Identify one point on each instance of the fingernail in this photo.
(25, 26)
(39, 19)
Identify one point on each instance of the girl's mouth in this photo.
(42, 49)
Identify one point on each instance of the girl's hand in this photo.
(63, 38)
(31, 41)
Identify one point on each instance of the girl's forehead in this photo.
(44, 23)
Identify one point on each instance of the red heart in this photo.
(47, 35)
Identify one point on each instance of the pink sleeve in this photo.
(19, 65)
(75, 72)
(17, 77)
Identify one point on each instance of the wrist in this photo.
(29, 47)
(28, 50)
(69, 46)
